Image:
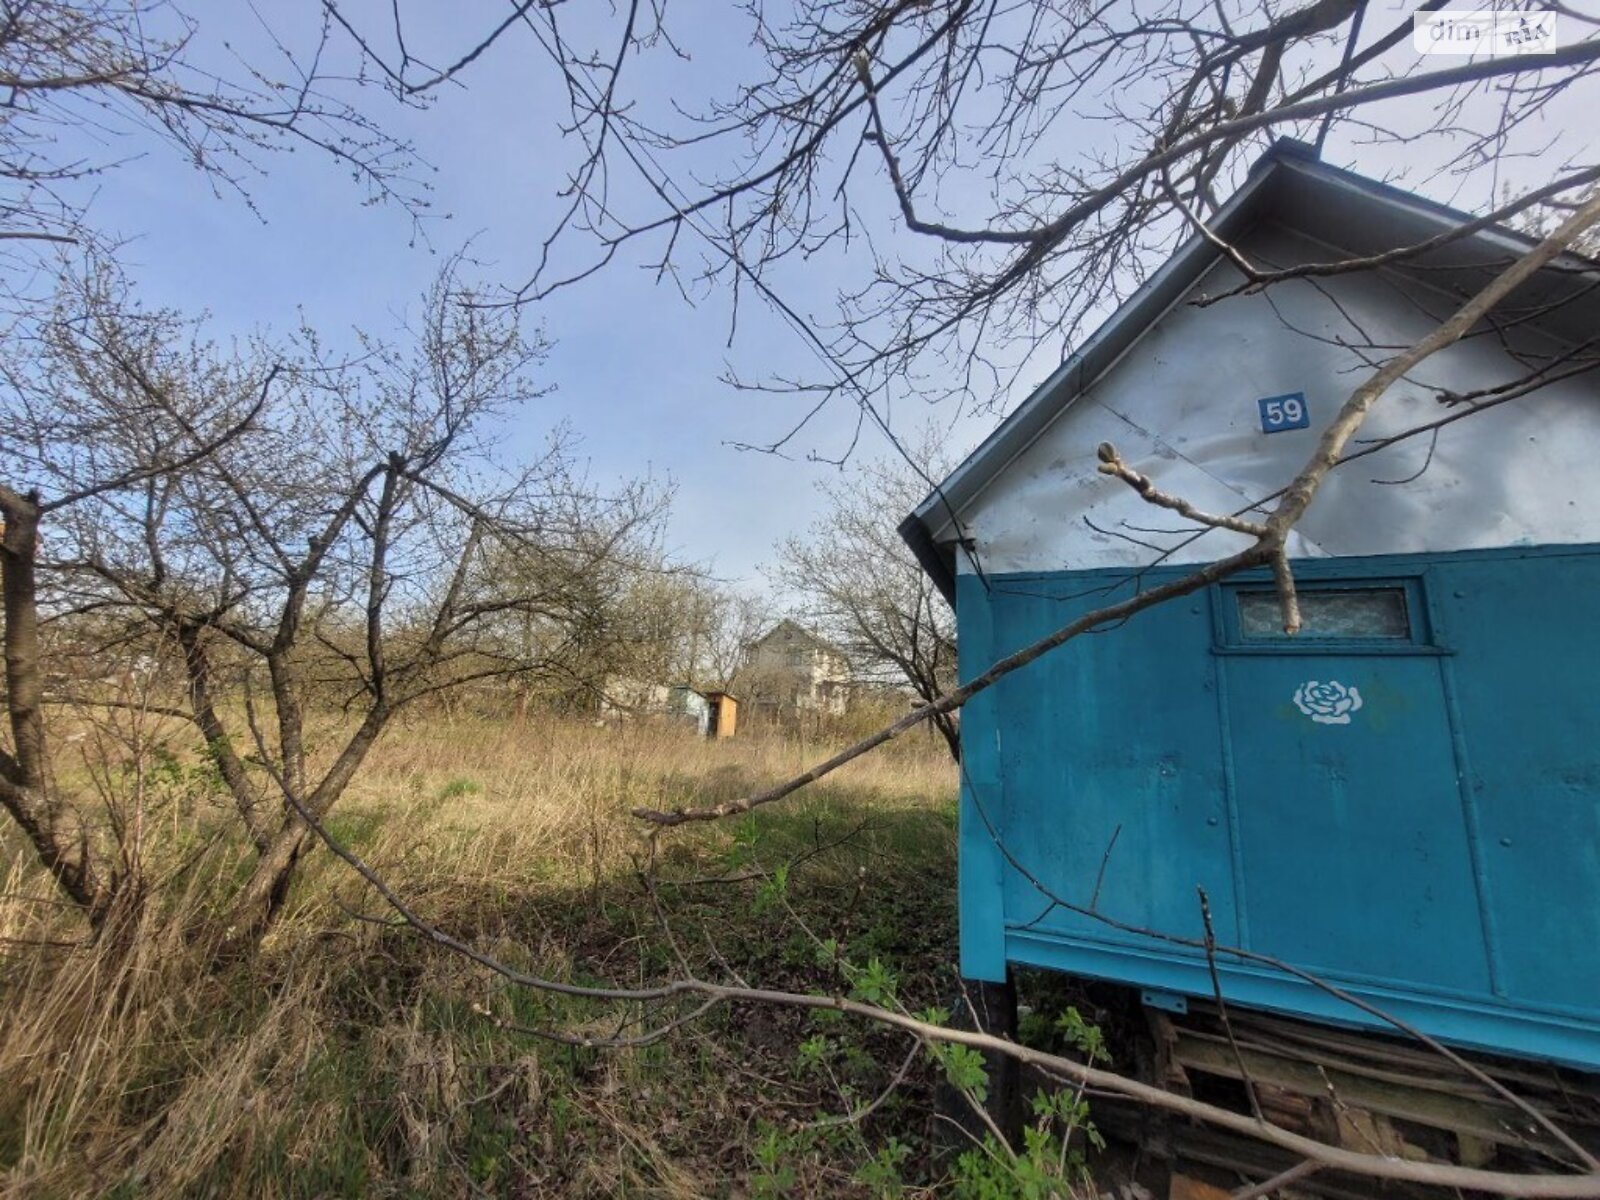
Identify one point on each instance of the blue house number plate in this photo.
(1284, 412)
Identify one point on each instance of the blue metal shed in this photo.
(1404, 799)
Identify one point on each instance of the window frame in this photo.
(1228, 636)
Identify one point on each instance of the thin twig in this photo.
(866, 1110)
(1222, 1006)
(1111, 464)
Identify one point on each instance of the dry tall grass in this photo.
(347, 1059)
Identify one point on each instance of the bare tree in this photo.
(259, 519)
(1013, 170)
(636, 616)
(80, 77)
(861, 588)
(731, 620)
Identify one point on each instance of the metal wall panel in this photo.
(1181, 405)
(1434, 848)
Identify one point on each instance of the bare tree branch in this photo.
(1269, 548)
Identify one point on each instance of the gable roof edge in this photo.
(1077, 373)
(926, 530)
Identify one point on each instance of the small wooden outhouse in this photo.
(724, 719)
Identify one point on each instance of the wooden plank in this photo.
(1476, 1118)
(1190, 1144)
(1187, 1187)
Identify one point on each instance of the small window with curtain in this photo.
(1362, 614)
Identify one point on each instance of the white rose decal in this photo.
(1328, 703)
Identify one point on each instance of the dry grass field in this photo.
(351, 1059)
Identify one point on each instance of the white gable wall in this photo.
(1181, 406)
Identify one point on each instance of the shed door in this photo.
(1353, 846)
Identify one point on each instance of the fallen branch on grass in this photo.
(1267, 550)
(712, 995)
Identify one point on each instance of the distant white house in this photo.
(789, 671)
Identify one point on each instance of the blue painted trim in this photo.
(1465, 783)
(1154, 947)
(980, 894)
(1519, 1030)
(1395, 565)
(1323, 647)
(1230, 801)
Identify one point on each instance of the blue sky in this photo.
(636, 368)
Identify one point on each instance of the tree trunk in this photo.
(261, 899)
(55, 830)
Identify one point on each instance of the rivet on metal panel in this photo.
(1211, 820)
(1505, 841)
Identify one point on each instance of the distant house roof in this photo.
(1288, 185)
(793, 630)
(707, 693)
